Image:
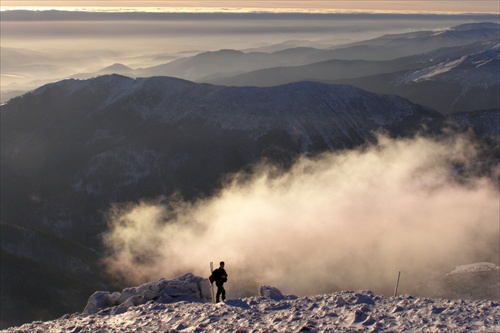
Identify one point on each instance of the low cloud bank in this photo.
(340, 221)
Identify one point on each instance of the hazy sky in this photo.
(484, 6)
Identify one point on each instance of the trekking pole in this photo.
(397, 284)
(211, 283)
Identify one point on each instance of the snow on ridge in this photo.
(431, 72)
(345, 311)
(478, 69)
(440, 32)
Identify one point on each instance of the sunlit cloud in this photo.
(347, 220)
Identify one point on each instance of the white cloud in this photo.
(346, 220)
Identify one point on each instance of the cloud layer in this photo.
(348, 220)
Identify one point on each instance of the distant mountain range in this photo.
(461, 63)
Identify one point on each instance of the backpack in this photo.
(211, 278)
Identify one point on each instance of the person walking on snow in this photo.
(220, 276)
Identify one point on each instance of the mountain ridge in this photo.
(159, 91)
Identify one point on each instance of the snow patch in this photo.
(431, 72)
(346, 311)
(474, 70)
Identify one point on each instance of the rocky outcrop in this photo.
(162, 291)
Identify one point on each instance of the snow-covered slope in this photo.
(449, 80)
(479, 69)
(467, 82)
(346, 311)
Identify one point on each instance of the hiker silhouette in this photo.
(220, 276)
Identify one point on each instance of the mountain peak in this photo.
(115, 68)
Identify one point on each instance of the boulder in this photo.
(150, 295)
(113, 298)
(126, 294)
(96, 302)
(205, 289)
(271, 292)
(134, 301)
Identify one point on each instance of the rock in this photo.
(97, 302)
(164, 298)
(134, 301)
(205, 289)
(364, 299)
(159, 285)
(126, 294)
(119, 309)
(271, 292)
(113, 298)
(150, 295)
(176, 292)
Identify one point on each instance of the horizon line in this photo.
(236, 10)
